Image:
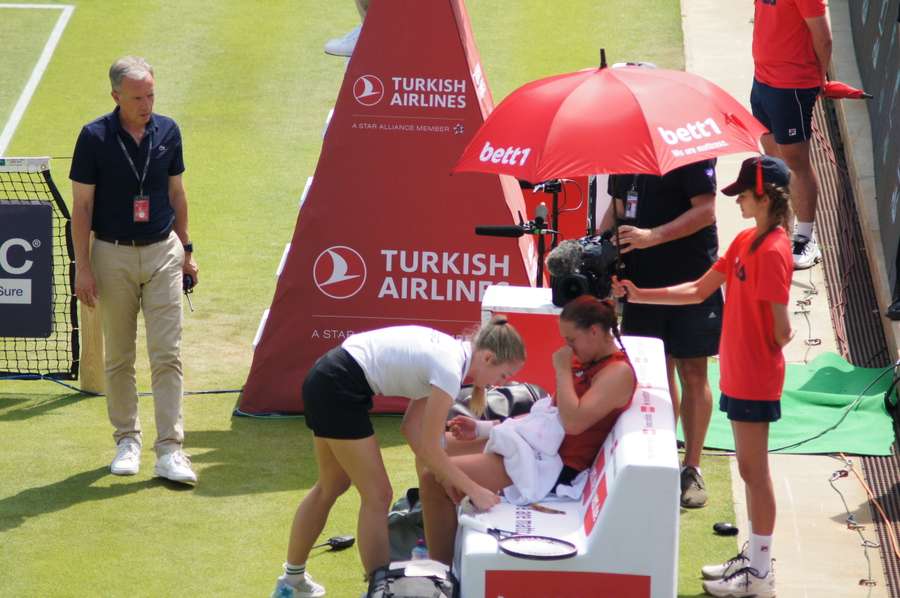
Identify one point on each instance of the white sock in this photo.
(293, 574)
(760, 553)
(805, 229)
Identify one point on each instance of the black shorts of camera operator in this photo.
(656, 204)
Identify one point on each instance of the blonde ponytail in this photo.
(478, 401)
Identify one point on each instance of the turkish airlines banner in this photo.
(386, 235)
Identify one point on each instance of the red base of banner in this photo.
(564, 584)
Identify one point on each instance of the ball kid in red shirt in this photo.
(756, 271)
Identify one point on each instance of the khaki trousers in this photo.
(131, 279)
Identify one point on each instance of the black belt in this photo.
(132, 242)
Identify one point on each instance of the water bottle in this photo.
(419, 551)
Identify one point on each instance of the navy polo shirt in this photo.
(98, 160)
(661, 200)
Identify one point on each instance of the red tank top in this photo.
(578, 450)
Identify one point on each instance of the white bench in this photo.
(625, 526)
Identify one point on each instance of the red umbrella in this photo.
(837, 90)
(623, 120)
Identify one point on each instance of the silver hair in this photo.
(133, 67)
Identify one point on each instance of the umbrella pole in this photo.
(618, 265)
(555, 219)
(539, 280)
(592, 206)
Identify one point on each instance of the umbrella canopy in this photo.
(610, 120)
(837, 90)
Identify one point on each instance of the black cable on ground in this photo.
(843, 416)
(853, 524)
(100, 394)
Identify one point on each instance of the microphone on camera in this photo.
(500, 230)
(540, 214)
(565, 258)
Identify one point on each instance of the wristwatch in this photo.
(188, 247)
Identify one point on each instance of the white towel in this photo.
(529, 446)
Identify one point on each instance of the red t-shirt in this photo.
(782, 45)
(578, 450)
(751, 363)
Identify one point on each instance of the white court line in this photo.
(39, 68)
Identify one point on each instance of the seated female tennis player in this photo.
(419, 363)
(591, 391)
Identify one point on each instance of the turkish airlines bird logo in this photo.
(339, 272)
(368, 90)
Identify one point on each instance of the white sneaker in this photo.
(175, 466)
(307, 588)
(806, 253)
(738, 561)
(128, 458)
(343, 46)
(743, 583)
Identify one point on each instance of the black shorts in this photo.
(747, 410)
(687, 331)
(337, 398)
(787, 113)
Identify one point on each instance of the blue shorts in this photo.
(787, 113)
(745, 410)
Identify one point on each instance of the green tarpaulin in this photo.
(815, 397)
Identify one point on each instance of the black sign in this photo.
(26, 270)
(876, 33)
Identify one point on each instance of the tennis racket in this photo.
(523, 546)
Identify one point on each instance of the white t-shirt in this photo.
(405, 361)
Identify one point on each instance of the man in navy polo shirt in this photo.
(669, 237)
(127, 188)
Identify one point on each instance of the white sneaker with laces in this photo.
(343, 46)
(738, 561)
(806, 252)
(175, 466)
(307, 588)
(743, 583)
(128, 458)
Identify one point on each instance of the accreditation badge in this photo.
(141, 211)
(631, 201)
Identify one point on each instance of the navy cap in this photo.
(773, 170)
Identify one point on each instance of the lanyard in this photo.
(139, 177)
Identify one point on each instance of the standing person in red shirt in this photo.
(791, 53)
(756, 271)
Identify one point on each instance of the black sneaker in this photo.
(893, 312)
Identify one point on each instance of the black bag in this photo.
(405, 525)
(391, 583)
(511, 400)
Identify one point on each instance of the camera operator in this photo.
(667, 235)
